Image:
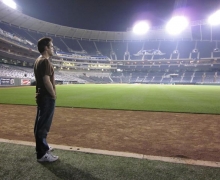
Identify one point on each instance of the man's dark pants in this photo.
(45, 111)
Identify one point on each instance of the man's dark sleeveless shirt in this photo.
(43, 67)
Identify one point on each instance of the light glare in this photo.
(214, 19)
(176, 25)
(10, 3)
(141, 28)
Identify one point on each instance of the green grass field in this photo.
(19, 162)
(169, 98)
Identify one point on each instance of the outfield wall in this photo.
(6, 81)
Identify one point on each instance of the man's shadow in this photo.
(66, 171)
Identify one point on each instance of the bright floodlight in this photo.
(214, 19)
(176, 25)
(10, 3)
(141, 28)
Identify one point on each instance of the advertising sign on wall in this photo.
(7, 81)
(25, 82)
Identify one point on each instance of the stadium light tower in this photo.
(214, 19)
(10, 3)
(141, 28)
(176, 25)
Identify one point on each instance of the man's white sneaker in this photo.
(50, 149)
(48, 157)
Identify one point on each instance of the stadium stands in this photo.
(139, 62)
(15, 71)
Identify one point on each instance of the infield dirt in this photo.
(194, 136)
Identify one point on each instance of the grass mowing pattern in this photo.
(186, 98)
(19, 162)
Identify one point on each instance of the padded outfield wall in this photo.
(6, 81)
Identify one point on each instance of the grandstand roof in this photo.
(18, 19)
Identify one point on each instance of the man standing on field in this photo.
(45, 98)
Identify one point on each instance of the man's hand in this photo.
(54, 97)
(36, 97)
(48, 85)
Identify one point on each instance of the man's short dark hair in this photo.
(42, 43)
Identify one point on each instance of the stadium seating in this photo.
(138, 62)
(15, 72)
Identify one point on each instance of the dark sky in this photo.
(113, 15)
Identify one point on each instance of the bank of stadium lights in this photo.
(141, 28)
(176, 25)
(214, 19)
(10, 3)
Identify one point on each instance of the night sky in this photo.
(113, 15)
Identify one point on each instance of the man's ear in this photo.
(46, 48)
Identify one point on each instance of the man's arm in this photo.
(49, 86)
